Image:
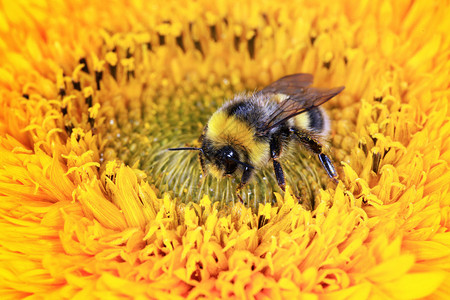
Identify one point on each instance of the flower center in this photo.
(144, 115)
(144, 131)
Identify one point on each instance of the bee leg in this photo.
(328, 166)
(315, 147)
(279, 174)
(202, 163)
(275, 151)
(246, 175)
(239, 197)
(204, 172)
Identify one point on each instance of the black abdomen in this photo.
(316, 119)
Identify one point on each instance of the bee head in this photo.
(217, 161)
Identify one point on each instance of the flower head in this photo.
(92, 204)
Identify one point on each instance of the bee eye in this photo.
(228, 158)
(230, 166)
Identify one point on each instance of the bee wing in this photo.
(289, 85)
(298, 97)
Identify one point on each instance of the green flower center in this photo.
(156, 123)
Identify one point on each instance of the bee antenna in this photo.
(186, 148)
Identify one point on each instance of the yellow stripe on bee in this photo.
(225, 130)
(302, 120)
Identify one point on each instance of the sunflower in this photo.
(93, 206)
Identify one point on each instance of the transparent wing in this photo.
(289, 85)
(298, 97)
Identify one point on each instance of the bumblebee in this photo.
(253, 129)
